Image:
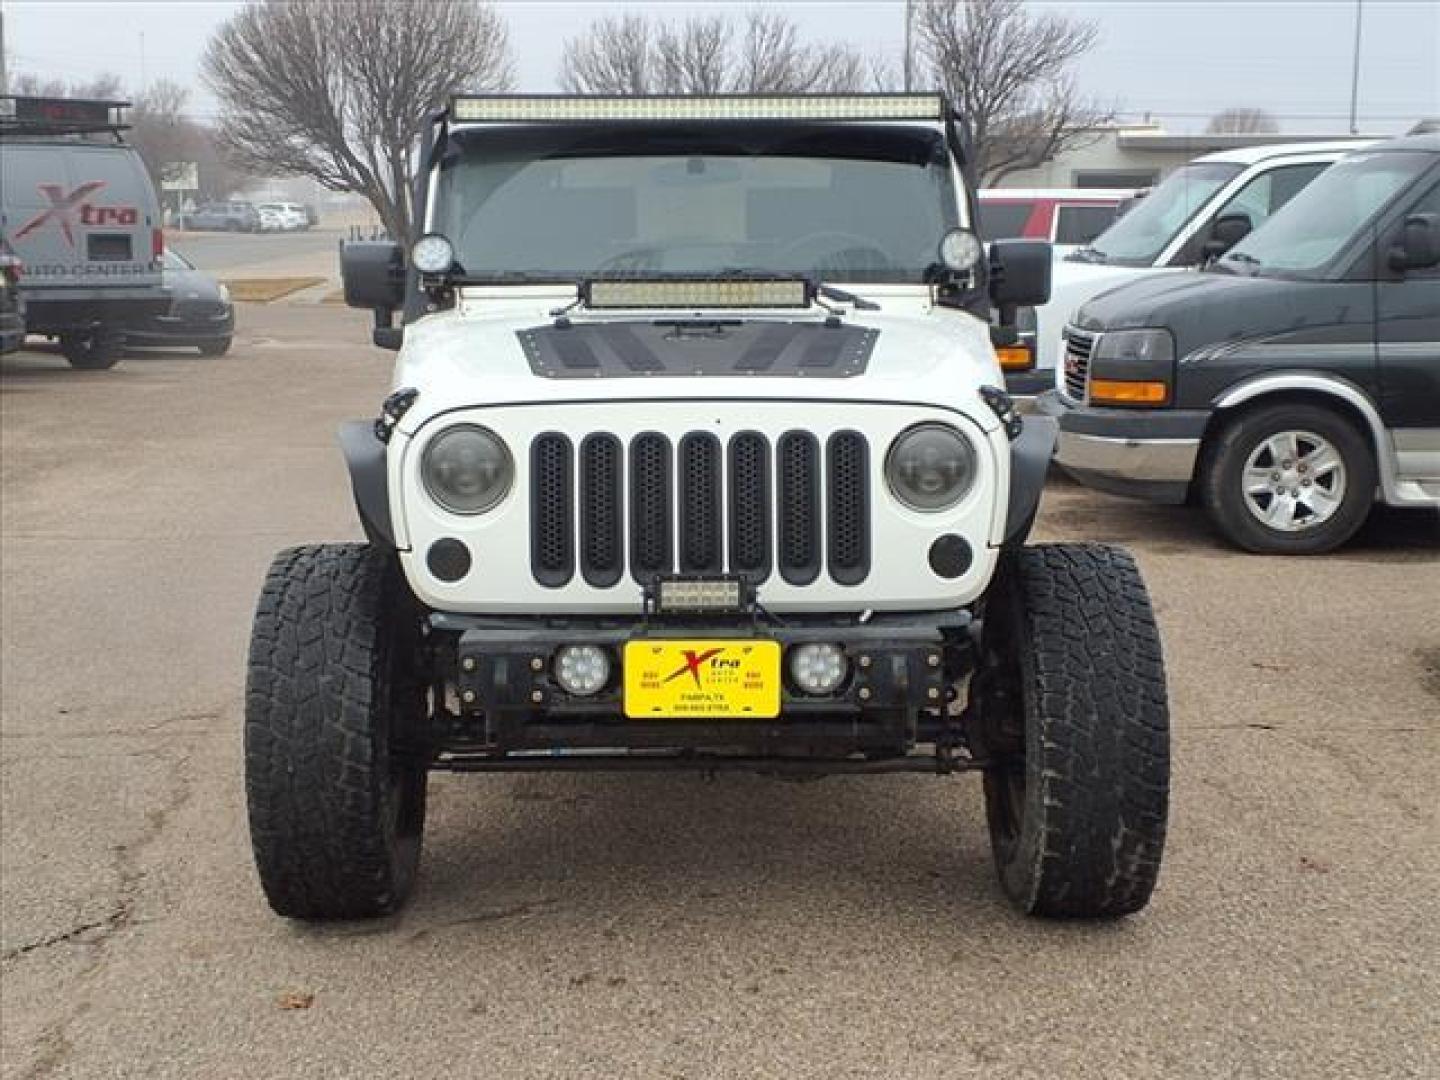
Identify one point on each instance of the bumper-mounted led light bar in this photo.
(696, 293)
(604, 108)
(692, 595)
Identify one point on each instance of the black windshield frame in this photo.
(907, 144)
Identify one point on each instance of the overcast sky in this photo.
(1178, 59)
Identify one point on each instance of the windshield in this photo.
(1317, 223)
(854, 204)
(1139, 237)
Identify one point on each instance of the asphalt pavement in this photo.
(226, 255)
(664, 926)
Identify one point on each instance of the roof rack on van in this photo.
(42, 116)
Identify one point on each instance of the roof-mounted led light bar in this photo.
(561, 108)
(672, 293)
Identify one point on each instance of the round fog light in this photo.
(582, 670)
(818, 669)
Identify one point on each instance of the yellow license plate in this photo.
(736, 679)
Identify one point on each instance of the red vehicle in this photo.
(1063, 216)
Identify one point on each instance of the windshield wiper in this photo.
(1229, 262)
(859, 303)
(1087, 255)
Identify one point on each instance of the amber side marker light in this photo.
(1015, 358)
(1128, 391)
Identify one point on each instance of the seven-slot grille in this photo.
(698, 505)
(1078, 346)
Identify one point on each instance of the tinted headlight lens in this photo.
(1149, 352)
(930, 467)
(467, 469)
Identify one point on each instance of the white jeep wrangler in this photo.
(696, 457)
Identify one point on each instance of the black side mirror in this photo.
(1227, 231)
(373, 273)
(1019, 276)
(1418, 246)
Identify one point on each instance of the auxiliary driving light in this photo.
(818, 669)
(582, 670)
(693, 595)
(432, 254)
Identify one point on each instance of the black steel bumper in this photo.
(506, 711)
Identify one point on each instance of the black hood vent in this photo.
(697, 347)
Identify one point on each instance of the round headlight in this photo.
(930, 467)
(467, 469)
(960, 250)
(432, 254)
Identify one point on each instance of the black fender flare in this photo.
(1030, 454)
(369, 480)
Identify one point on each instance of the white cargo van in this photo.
(78, 209)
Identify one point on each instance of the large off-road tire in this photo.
(1288, 479)
(1072, 711)
(93, 350)
(334, 774)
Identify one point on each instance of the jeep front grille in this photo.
(697, 505)
(552, 532)
(1076, 358)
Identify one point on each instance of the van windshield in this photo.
(1138, 238)
(1313, 227)
(852, 204)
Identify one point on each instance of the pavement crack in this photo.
(54, 1045)
(59, 939)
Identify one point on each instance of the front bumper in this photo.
(182, 330)
(507, 710)
(1142, 454)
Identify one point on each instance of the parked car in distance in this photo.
(1067, 217)
(282, 217)
(223, 217)
(200, 313)
(1196, 213)
(12, 304)
(1287, 383)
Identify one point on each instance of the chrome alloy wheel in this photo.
(1293, 481)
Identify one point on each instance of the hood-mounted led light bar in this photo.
(696, 293)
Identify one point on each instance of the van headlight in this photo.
(930, 467)
(467, 469)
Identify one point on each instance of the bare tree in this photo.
(164, 135)
(1005, 70)
(339, 90)
(1242, 121)
(103, 87)
(759, 53)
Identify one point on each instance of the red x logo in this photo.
(693, 660)
(62, 208)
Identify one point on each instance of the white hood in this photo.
(471, 356)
